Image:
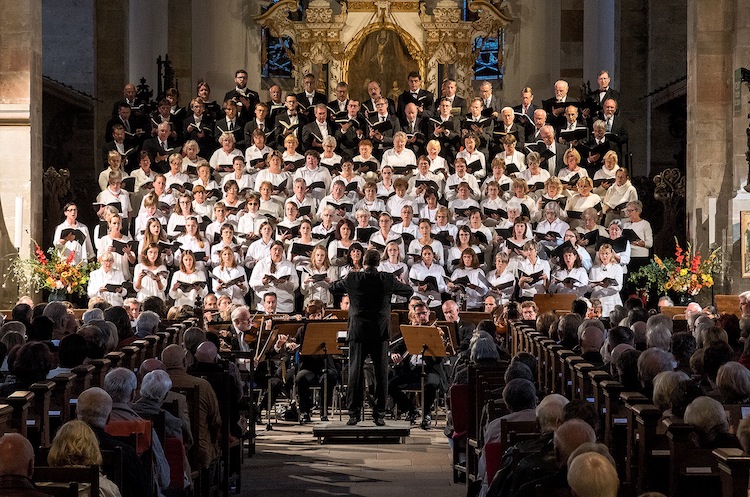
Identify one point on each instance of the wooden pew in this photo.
(673, 310)
(582, 387)
(734, 466)
(82, 382)
(59, 404)
(130, 357)
(6, 419)
(482, 381)
(568, 379)
(728, 304)
(552, 303)
(650, 457)
(20, 401)
(101, 368)
(88, 475)
(693, 471)
(38, 418)
(115, 359)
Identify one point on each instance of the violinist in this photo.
(408, 368)
(310, 368)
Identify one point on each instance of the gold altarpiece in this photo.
(384, 40)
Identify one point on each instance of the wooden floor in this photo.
(290, 462)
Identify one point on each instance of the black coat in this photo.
(370, 294)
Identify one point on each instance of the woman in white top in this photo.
(280, 180)
(205, 179)
(182, 210)
(353, 183)
(107, 275)
(176, 179)
(607, 173)
(430, 291)
(619, 194)
(227, 240)
(443, 229)
(260, 248)
(191, 159)
(153, 234)
(329, 158)
(192, 240)
(504, 182)
(581, 201)
(429, 209)
(574, 238)
(464, 239)
(304, 238)
(619, 244)
(605, 280)
(188, 283)
(522, 199)
(274, 274)
(114, 161)
(353, 260)
(150, 275)
(572, 172)
(502, 280)
(535, 176)
(115, 236)
(293, 160)
(425, 239)
(221, 159)
(527, 268)
(477, 287)
(590, 230)
(244, 181)
(493, 205)
(515, 161)
(438, 164)
(393, 264)
(399, 155)
(229, 279)
(514, 245)
(386, 188)
(370, 202)
(317, 276)
(257, 153)
(472, 155)
(571, 277)
(84, 249)
(553, 192)
(642, 229)
(143, 174)
(343, 239)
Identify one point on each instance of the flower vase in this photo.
(57, 296)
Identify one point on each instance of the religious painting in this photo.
(745, 242)
(382, 56)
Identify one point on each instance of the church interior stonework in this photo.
(680, 67)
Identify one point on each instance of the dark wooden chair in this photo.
(66, 475)
(734, 466)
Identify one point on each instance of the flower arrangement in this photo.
(54, 271)
(688, 272)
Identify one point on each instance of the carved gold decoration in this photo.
(444, 39)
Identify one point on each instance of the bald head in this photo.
(150, 365)
(592, 339)
(173, 357)
(569, 436)
(94, 407)
(206, 352)
(16, 455)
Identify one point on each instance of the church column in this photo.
(20, 131)
(180, 46)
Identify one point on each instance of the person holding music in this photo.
(370, 294)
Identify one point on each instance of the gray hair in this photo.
(147, 323)
(484, 349)
(658, 335)
(120, 383)
(733, 381)
(94, 314)
(56, 311)
(551, 411)
(708, 416)
(156, 385)
(652, 362)
(664, 383)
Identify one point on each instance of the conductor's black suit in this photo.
(370, 294)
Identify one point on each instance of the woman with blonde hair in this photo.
(229, 279)
(75, 444)
(317, 276)
(150, 274)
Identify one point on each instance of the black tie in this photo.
(230, 126)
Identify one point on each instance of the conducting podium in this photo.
(423, 342)
(321, 339)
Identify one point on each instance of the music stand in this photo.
(423, 341)
(262, 355)
(321, 339)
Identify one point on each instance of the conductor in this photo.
(370, 294)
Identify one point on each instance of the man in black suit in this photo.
(382, 140)
(538, 121)
(275, 103)
(231, 123)
(349, 133)
(507, 126)
(527, 108)
(368, 106)
(314, 133)
(446, 129)
(289, 122)
(160, 147)
(614, 124)
(414, 127)
(199, 126)
(370, 295)
(134, 131)
(244, 97)
(554, 163)
(596, 148)
(422, 99)
(604, 92)
(463, 328)
(309, 97)
(259, 121)
(449, 92)
(119, 144)
(555, 106)
(488, 99)
(342, 98)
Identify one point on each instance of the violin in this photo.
(256, 325)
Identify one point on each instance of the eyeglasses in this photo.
(253, 203)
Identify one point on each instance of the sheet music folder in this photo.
(417, 337)
(323, 332)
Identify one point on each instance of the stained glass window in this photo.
(489, 63)
(276, 63)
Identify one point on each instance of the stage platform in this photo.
(363, 432)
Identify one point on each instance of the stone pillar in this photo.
(20, 131)
(111, 24)
(180, 47)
